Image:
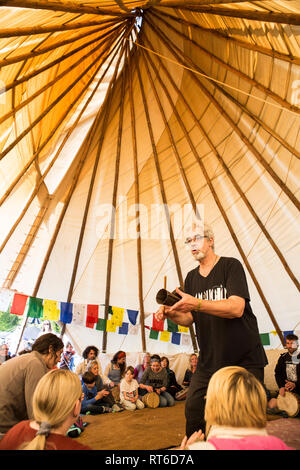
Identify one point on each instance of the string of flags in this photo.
(121, 320)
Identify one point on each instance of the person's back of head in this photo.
(235, 398)
(53, 401)
(88, 378)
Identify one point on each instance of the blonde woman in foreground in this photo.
(56, 406)
(235, 415)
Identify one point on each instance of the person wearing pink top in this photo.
(235, 415)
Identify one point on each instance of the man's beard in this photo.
(199, 256)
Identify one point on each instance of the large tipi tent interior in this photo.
(120, 122)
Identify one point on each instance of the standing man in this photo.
(217, 300)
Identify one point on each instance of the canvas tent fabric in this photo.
(119, 121)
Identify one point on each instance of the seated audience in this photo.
(140, 368)
(4, 353)
(235, 415)
(67, 359)
(90, 354)
(155, 379)
(129, 396)
(107, 397)
(56, 406)
(173, 387)
(19, 377)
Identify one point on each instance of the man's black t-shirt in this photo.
(222, 341)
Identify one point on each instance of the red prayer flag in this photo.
(157, 325)
(91, 315)
(19, 304)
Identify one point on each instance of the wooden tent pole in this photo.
(170, 135)
(47, 110)
(55, 62)
(239, 247)
(162, 190)
(237, 130)
(15, 83)
(137, 202)
(225, 167)
(54, 237)
(269, 16)
(63, 5)
(26, 245)
(31, 30)
(235, 71)
(114, 203)
(91, 187)
(65, 42)
(52, 133)
(229, 39)
(84, 150)
(70, 131)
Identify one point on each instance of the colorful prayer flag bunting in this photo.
(51, 310)
(153, 334)
(132, 316)
(19, 304)
(66, 312)
(176, 337)
(35, 307)
(157, 325)
(123, 330)
(165, 336)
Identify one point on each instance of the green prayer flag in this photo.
(153, 334)
(172, 327)
(35, 308)
(101, 324)
(265, 339)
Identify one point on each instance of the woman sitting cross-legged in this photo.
(56, 406)
(155, 379)
(235, 414)
(105, 396)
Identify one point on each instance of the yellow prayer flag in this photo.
(117, 315)
(183, 329)
(50, 311)
(111, 326)
(165, 336)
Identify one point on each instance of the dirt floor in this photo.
(161, 428)
(147, 429)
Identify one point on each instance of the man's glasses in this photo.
(196, 238)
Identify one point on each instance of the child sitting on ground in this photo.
(93, 399)
(129, 397)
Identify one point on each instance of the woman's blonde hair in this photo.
(190, 360)
(53, 400)
(235, 398)
(92, 364)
